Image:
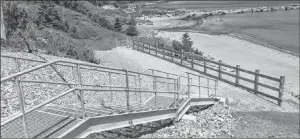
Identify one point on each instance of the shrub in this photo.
(177, 45)
(186, 42)
(15, 18)
(131, 29)
(48, 16)
(118, 25)
(66, 26)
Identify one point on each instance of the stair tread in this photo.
(37, 122)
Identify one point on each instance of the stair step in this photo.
(78, 111)
(55, 128)
(87, 109)
(62, 112)
(37, 122)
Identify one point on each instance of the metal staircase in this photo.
(51, 120)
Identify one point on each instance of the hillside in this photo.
(79, 26)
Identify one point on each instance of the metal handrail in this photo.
(71, 62)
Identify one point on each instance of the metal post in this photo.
(110, 84)
(220, 69)
(281, 89)
(135, 85)
(216, 82)
(174, 93)
(256, 80)
(237, 80)
(19, 89)
(168, 81)
(181, 56)
(205, 65)
(155, 89)
(80, 91)
(199, 78)
(192, 63)
(140, 89)
(188, 84)
(127, 88)
(208, 87)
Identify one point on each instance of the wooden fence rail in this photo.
(190, 60)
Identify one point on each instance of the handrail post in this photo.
(135, 85)
(216, 83)
(281, 89)
(256, 80)
(155, 90)
(110, 84)
(188, 84)
(237, 80)
(18, 84)
(205, 65)
(140, 88)
(149, 49)
(208, 87)
(80, 91)
(192, 63)
(181, 56)
(199, 78)
(168, 87)
(174, 93)
(127, 88)
(220, 69)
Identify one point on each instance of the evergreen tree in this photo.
(132, 30)
(118, 25)
(187, 42)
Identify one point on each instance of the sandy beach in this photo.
(248, 55)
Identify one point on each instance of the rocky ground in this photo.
(212, 121)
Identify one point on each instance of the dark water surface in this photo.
(279, 28)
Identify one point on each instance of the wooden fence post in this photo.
(281, 89)
(256, 80)
(143, 47)
(205, 65)
(192, 63)
(149, 49)
(237, 73)
(220, 69)
(181, 56)
(138, 47)
(127, 88)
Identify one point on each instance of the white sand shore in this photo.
(249, 56)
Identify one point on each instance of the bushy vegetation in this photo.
(118, 25)
(131, 29)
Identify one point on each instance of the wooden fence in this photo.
(196, 62)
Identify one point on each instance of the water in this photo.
(279, 28)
